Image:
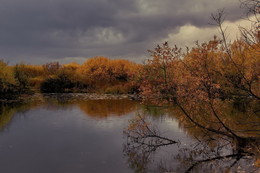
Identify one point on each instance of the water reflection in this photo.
(245, 123)
(142, 143)
(77, 135)
(97, 109)
(53, 136)
(107, 108)
(220, 158)
(6, 115)
(211, 152)
(7, 111)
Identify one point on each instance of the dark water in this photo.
(87, 136)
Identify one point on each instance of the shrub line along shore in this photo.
(42, 97)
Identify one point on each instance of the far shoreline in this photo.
(42, 97)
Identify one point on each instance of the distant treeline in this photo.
(98, 74)
(213, 69)
(208, 65)
(218, 68)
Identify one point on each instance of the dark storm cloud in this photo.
(37, 30)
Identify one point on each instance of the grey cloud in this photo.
(41, 31)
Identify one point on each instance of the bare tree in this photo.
(252, 35)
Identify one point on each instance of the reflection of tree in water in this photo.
(152, 110)
(142, 143)
(6, 115)
(203, 83)
(138, 158)
(96, 108)
(106, 108)
(203, 158)
(214, 152)
(8, 111)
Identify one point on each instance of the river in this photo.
(82, 135)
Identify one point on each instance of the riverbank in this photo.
(41, 97)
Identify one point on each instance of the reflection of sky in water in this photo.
(62, 140)
(79, 137)
(168, 126)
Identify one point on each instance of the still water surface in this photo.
(86, 136)
(83, 136)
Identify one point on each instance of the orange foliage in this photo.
(51, 68)
(100, 72)
(33, 70)
(201, 79)
(69, 70)
(206, 72)
(159, 76)
(106, 108)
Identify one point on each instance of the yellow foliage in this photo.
(106, 108)
(102, 72)
(257, 163)
(6, 76)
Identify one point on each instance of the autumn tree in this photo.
(22, 78)
(7, 80)
(159, 74)
(51, 68)
(61, 78)
(104, 74)
(241, 59)
(93, 72)
(205, 79)
(252, 35)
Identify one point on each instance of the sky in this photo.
(41, 31)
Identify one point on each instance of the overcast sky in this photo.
(40, 31)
